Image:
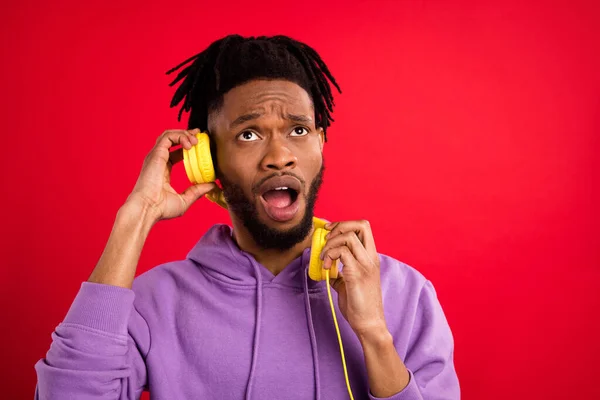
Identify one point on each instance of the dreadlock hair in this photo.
(234, 60)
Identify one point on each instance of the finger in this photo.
(169, 139)
(174, 137)
(362, 229)
(177, 155)
(194, 192)
(350, 240)
(191, 137)
(351, 267)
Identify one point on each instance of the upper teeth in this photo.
(281, 188)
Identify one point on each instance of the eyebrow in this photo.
(252, 116)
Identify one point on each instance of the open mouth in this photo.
(280, 196)
(281, 203)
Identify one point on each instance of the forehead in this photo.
(266, 97)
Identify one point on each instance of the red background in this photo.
(467, 134)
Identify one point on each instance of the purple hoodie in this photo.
(218, 325)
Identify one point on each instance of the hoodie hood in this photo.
(219, 256)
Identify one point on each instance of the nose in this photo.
(278, 157)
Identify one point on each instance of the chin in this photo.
(269, 233)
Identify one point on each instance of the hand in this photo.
(358, 284)
(153, 188)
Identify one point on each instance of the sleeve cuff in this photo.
(410, 392)
(103, 307)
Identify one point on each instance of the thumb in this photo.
(194, 192)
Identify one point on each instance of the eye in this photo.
(300, 131)
(247, 136)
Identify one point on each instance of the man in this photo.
(238, 318)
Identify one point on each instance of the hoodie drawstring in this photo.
(313, 339)
(259, 293)
(311, 331)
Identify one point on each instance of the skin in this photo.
(270, 144)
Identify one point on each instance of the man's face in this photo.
(269, 159)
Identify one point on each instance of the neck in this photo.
(272, 259)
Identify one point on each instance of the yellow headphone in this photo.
(200, 169)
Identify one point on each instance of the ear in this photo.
(321, 138)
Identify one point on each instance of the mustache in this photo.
(255, 188)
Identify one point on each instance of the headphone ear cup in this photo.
(188, 168)
(192, 170)
(204, 158)
(315, 266)
(199, 167)
(319, 223)
(198, 161)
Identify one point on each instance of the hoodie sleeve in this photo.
(98, 351)
(430, 355)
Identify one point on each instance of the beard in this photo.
(265, 236)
